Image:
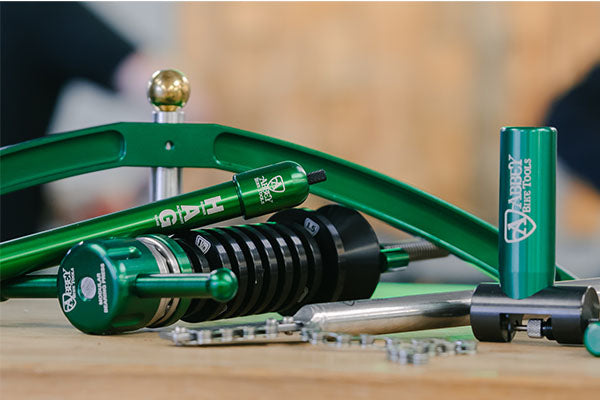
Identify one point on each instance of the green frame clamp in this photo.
(215, 146)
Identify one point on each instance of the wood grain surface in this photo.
(43, 357)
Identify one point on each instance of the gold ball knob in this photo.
(168, 90)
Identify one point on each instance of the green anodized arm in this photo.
(215, 146)
(251, 193)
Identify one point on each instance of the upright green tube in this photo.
(527, 226)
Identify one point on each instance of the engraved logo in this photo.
(276, 184)
(202, 244)
(518, 226)
(68, 297)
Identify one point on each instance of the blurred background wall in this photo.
(418, 91)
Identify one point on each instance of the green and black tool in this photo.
(527, 251)
(179, 145)
(299, 257)
(251, 193)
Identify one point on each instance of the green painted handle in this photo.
(241, 197)
(220, 285)
(30, 286)
(214, 146)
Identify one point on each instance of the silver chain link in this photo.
(401, 351)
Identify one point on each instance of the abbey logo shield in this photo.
(276, 184)
(518, 226)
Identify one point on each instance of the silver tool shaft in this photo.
(168, 91)
(398, 314)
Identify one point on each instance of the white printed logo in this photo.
(102, 291)
(69, 301)
(311, 226)
(184, 213)
(276, 184)
(202, 244)
(517, 226)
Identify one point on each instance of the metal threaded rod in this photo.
(398, 255)
(316, 176)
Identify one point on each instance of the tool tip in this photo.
(316, 176)
(223, 285)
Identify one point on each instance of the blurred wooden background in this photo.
(418, 91)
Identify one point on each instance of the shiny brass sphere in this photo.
(168, 90)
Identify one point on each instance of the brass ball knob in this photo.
(168, 90)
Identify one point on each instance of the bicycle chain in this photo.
(401, 351)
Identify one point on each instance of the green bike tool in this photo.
(299, 257)
(136, 144)
(178, 145)
(251, 193)
(118, 285)
(591, 338)
(527, 210)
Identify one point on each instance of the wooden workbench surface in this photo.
(43, 357)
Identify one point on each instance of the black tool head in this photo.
(361, 251)
(330, 245)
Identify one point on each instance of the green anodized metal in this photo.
(31, 286)
(221, 285)
(117, 285)
(591, 338)
(251, 193)
(215, 146)
(527, 210)
(259, 189)
(394, 258)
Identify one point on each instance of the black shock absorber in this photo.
(298, 257)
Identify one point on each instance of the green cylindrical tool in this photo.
(527, 210)
(118, 285)
(259, 191)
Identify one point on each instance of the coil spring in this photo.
(298, 257)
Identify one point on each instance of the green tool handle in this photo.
(30, 286)
(220, 285)
(221, 147)
(243, 196)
